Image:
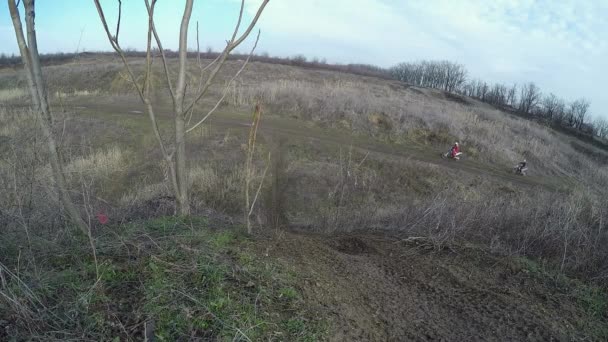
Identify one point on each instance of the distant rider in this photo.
(454, 152)
(522, 167)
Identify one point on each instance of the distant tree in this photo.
(601, 127)
(444, 75)
(512, 96)
(559, 111)
(299, 59)
(549, 106)
(580, 109)
(497, 95)
(529, 98)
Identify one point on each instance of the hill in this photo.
(356, 203)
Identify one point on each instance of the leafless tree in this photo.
(444, 75)
(497, 95)
(549, 106)
(38, 92)
(512, 96)
(175, 155)
(601, 127)
(559, 111)
(579, 110)
(529, 98)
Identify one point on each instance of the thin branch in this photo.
(149, 52)
(118, 21)
(198, 47)
(200, 85)
(222, 58)
(251, 25)
(238, 23)
(227, 86)
(161, 49)
(200, 66)
(180, 84)
(140, 91)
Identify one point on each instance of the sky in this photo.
(560, 45)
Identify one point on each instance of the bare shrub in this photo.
(568, 231)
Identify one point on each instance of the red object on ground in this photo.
(103, 218)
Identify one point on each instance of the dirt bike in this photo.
(448, 155)
(518, 170)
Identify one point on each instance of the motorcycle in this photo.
(448, 155)
(518, 170)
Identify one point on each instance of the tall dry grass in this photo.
(427, 116)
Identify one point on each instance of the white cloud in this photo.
(558, 44)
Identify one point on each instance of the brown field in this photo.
(362, 231)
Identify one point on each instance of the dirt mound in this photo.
(351, 245)
(388, 289)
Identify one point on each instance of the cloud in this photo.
(558, 44)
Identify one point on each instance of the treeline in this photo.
(526, 99)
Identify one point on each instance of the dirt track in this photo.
(295, 129)
(376, 288)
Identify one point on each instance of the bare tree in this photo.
(175, 155)
(550, 104)
(38, 92)
(497, 95)
(559, 111)
(444, 75)
(579, 109)
(512, 96)
(601, 127)
(529, 98)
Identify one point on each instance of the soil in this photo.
(379, 288)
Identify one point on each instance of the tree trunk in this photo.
(33, 71)
(183, 200)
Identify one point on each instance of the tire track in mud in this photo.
(378, 289)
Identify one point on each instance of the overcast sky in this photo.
(561, 45)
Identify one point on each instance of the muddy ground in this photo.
(378, 288)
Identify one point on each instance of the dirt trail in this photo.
(376, 288)
(295, 129)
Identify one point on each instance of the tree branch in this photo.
(161, 49)
(227, 86)
(118, 21)
(222, 58)
(140, 91)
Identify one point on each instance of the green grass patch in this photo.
(187, 279)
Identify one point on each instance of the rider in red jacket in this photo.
(455, 150)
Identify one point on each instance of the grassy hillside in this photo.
(349, 154)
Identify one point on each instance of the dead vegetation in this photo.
(312, 183)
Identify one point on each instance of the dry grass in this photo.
(12, 94)
(99, 164)
(344, 190)
(423, 116)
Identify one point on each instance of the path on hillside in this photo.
(297, 129)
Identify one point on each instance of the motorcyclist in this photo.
(455, 151)
(522, 167)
